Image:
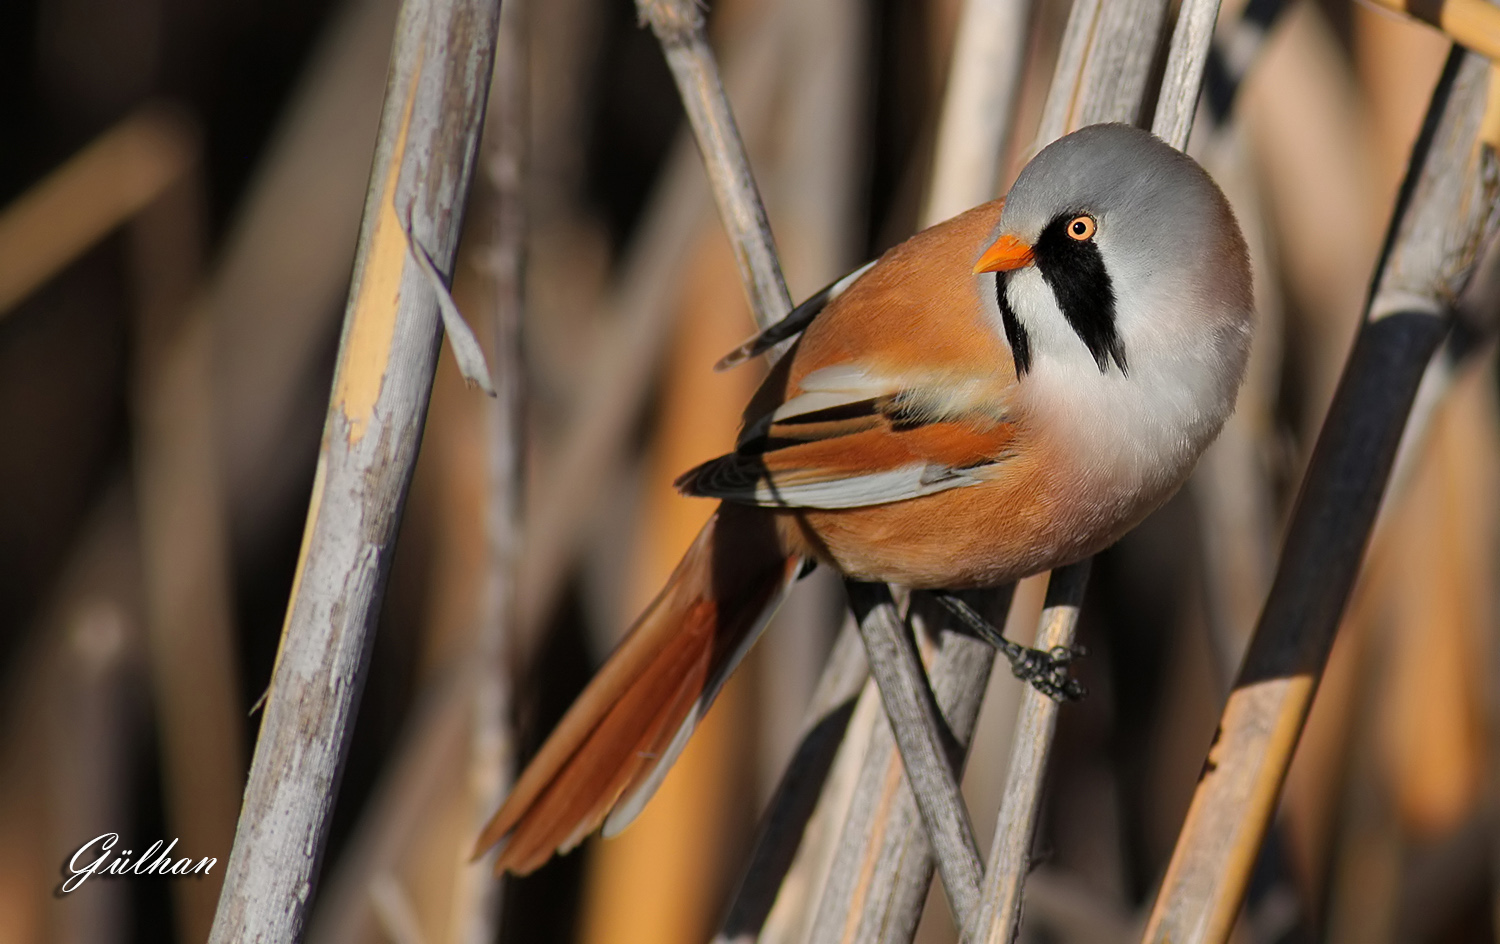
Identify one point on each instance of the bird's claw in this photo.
(1047, 672)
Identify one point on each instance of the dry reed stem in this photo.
(1015, 829)
(1444, 215)
(678, 25)
(622, 366)
(883, 864)
(1180, 85)
(929, 754)
(1474, 24)
(433, 745)
(279, 282)
(441, 65)
(116, 176)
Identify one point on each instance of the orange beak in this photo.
(1006, 254)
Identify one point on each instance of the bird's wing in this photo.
(901, 387)
(793, 324)
(850, 439)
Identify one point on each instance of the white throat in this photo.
(1137, 431)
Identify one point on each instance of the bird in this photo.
(1004, 393)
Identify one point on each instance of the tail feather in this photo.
(616, 743)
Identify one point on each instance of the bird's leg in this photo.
(1047, 672)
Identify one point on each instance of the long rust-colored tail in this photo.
(615, 744)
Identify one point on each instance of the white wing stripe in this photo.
(856, 491)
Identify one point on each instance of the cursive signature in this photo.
(154, 861)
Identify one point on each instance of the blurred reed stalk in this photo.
(440, 70)
(185, 544)
(1444, 214)
(979, 105)
(75, 716)
(476, 893)
(120, 173)
(1473, 24)
(784, 825)
(145, 172)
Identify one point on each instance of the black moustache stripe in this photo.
(1015, 333)
(1075, 272)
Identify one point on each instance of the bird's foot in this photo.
(1047, 672)
(1044, 670)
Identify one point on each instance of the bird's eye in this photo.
(1082, 228)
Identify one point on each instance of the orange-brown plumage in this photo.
(1003, 393)
(612, 737)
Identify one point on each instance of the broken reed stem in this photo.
(931, 757)
(1010, 852)
(1444, 215)
(678, 24)
(1000, 919)
(430, 124)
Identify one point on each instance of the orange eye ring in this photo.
(1081, 228)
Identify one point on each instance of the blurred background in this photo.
(180, 190)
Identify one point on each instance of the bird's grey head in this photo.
(1111, 242)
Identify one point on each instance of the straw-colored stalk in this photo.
(1474, 24)
(120, 173)
(430, 125)
(1446, 212)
